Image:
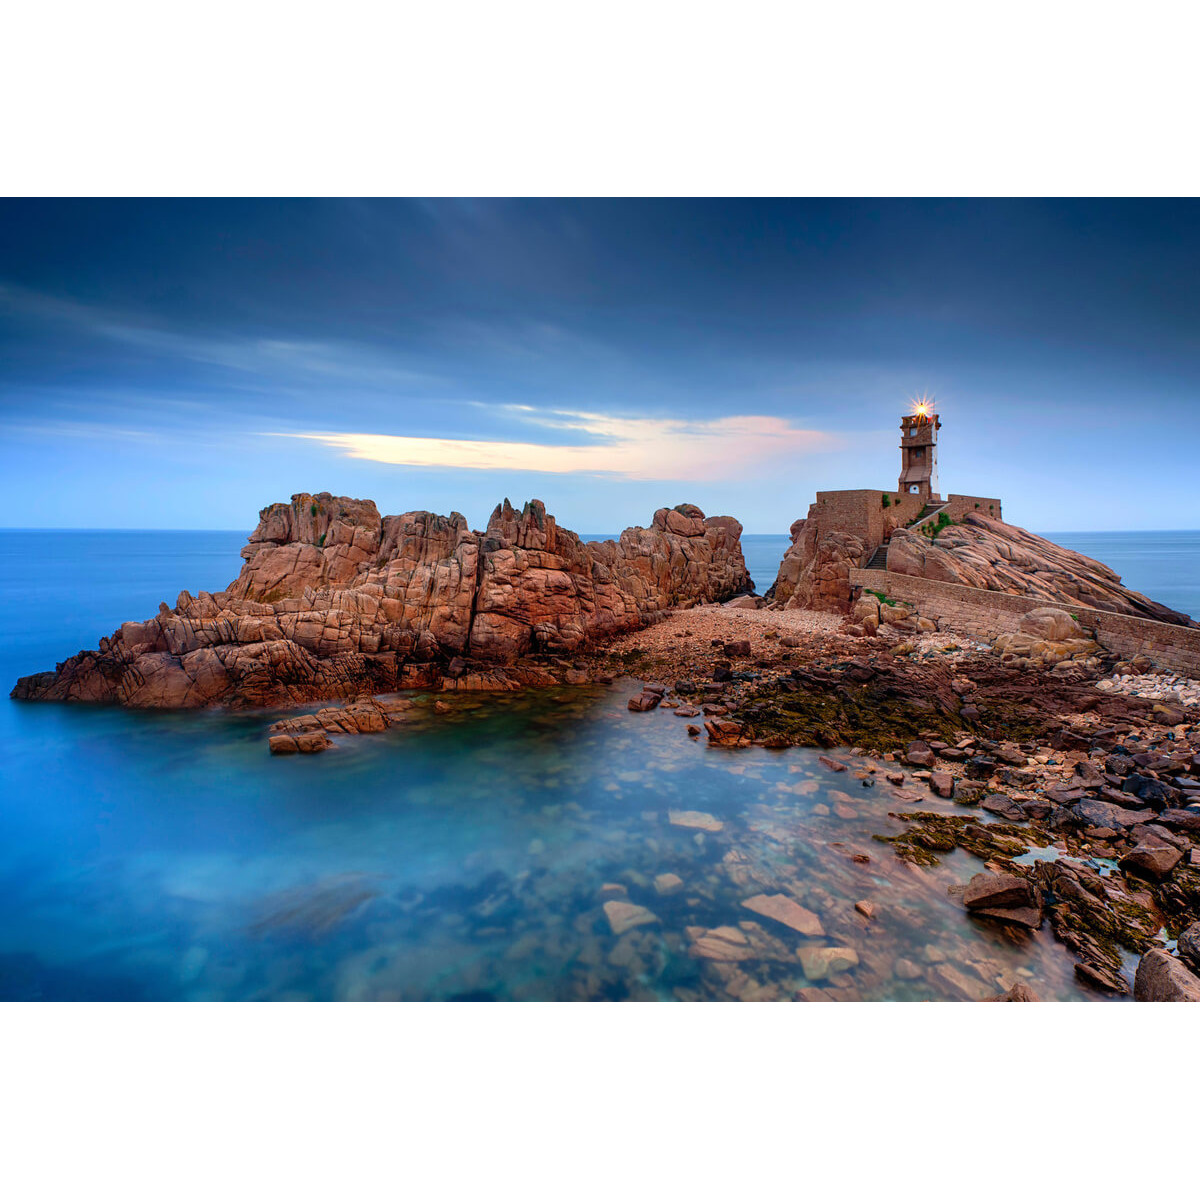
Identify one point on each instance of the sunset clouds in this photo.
(730, 447)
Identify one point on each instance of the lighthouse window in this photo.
(918, 452)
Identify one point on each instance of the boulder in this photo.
(987, 890)
(1189, 946)
(941, 783)
(1161, 977)
(1050, 625)
(1153, 862)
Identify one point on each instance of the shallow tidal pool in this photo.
(469, 855)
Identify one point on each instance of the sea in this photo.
(466, 855)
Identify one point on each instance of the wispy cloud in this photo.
(271, 358)
(633, 447)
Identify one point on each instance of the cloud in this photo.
(270, 358)
(632, 447)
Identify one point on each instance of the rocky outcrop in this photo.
(985, 553)
(815, 571)
(335, 602)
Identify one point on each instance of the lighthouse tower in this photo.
(918, 451)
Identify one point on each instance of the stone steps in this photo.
(878, 560)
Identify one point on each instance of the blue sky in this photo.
(179, 364)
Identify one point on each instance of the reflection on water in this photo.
(467, 856)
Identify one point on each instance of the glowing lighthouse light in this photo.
(922, 406)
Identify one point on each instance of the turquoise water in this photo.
(465, 855)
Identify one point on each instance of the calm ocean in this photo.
(168, 856)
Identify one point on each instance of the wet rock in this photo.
(722, 732)
(957, 985)
(1189, 946)
(918, 754)
(645, 702)
(1153, 862)
(865, 907)
(1160, 977)
(941, 783)
(691, 819)
(980, 767)
(823, 962)
(1002, 806)
(693, 730)
(1101, 977)
(310, 742)
(787, 912)
(1019, 992)
(623, 916)
(987, 890)
(726, 943)
(907, 969)
(667, 884)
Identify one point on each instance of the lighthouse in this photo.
(918, 451)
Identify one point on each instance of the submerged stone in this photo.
(787, 912)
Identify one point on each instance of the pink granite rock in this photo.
(335, 602)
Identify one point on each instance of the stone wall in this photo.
(985, 614)
(861, 512)
(986, 506)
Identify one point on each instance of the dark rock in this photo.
(1189, 945)
(1151, 791)
(737, 649)
(1153, 862)
(1180, 818)
(645, 702)
(980, 767)
(1101, 977)
(722, 673)
(918, 754)
(987, 890)
(1003, 806)
(1028, 917)
(941, 783)
(1111, 816)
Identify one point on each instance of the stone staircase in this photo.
(878, 560)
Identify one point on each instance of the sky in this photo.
(182, 363)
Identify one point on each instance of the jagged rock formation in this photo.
(815, 571)
(335, 601)
(985, 553)
(977, 552)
